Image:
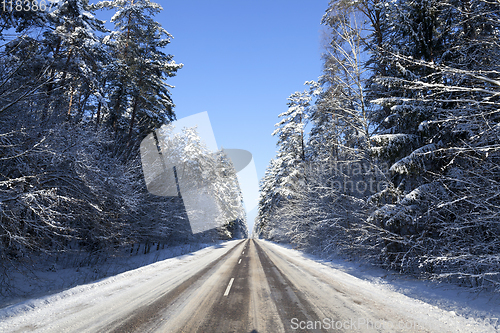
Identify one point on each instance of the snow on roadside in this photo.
(44, 275)
(461, 309)
(45, 312)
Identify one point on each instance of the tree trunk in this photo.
(72, 93)
(98, 120)
(132, 119)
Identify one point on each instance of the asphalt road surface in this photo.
(253, 289)
(240, 286)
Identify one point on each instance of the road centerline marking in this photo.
(229, 287)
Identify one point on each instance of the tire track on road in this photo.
(151, 312)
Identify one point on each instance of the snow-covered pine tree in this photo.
(23, 63)
(23, 67)
(412, 30)
(444, 115)
(340, 171)
(269, 200)
(229, 197)
(344, 80)
(139, 95)
(286, 173)
(205, 178)
(290, 131)
(415, 33)
(22, 21)
(75, 51)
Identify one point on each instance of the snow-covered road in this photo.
(238, 286)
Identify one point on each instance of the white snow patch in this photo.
(424, 301)
(89, 307)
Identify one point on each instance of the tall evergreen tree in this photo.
(140, 97)
(442, 103)
(428, 109)
(290, 131)
(71, 39)
(286, 173)
(269, 200)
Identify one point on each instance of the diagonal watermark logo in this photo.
(171, 165)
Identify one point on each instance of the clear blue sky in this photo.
(242, 59)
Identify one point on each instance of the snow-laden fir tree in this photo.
(425, 109)
(341, 172)
(139, 94)
(76, 52)
(207, 181)
(51, 66)
(286, 172)
(229, 198)
(269, 200)
(412, 29)
(441, 137)
(290, 131)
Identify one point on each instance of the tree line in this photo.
(392, 155)
(76, 100)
